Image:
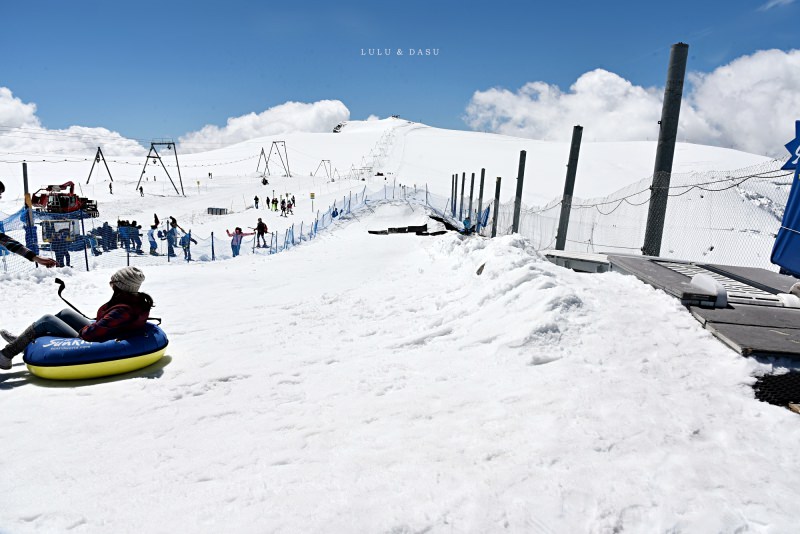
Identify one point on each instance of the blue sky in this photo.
(151, 69)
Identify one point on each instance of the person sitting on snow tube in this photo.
(123, 316)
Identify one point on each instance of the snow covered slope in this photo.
(363, 383)
(411, 153)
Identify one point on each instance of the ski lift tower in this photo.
(97, 159)
(283, 156)
(326, 166)
(170, 144)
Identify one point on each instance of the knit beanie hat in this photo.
(128, 279)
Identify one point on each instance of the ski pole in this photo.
(61, 285)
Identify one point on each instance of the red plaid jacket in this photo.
(119, 320)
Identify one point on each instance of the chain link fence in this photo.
(726, 217)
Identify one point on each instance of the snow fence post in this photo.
(453, 193)
(471, 193)
(480, 202)
(496, 207)
(212, 247)
(665, 151)
(569, 187)
(461, 206)
(518, 198)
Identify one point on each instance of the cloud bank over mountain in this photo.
(749, 104)
(319, 116)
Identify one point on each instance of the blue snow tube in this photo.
(59, 358)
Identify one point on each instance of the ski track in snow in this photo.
(376, 383)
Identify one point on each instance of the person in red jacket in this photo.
(125, 315)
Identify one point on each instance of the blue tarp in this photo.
(786, 251)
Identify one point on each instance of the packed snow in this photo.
(378, 383)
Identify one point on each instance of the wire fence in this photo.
(78, 241)
(728, 217)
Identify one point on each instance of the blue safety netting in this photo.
(85, 243)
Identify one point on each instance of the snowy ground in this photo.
(363, 383)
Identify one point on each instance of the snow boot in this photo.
(7, 336)
(15, 347)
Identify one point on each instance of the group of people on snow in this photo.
(286, 204)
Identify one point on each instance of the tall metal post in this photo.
(471, 192)
(480, 201)
(452, 194)
(461, 206)
(668, 132)
(569, 187)
(496, 207)
(86, 243)
(518, 196)
(31, 239)
(178, 165)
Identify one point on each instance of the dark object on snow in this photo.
(778, 389)
(417, 230)
(480, 269)
(444, 222)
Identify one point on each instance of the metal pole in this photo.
(85, 242)
(461, 206)
(95, 160)
(453, 195)
(31, 238)
(496, 207)
(104, 163)
(471, 193)
(480, 201)
(143, 168)
(569, 187)
(212, 247)
(180, 179)
(668, 132)
(518, 197)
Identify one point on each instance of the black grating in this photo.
(778, 389)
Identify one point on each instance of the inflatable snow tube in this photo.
(58, 358)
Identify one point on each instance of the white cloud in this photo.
(775, 3)
(320, 116)
(21, 132)
(749, 104)
(752, 103)
(14, 113)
